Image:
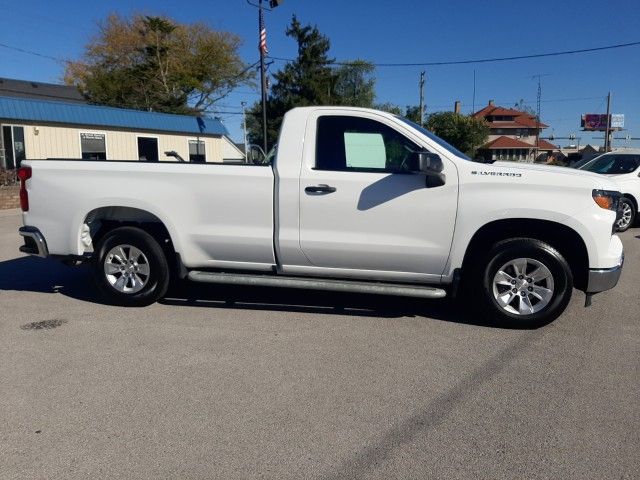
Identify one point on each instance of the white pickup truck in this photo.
(351, 200)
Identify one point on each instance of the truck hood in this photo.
(549, 175)
(535, 167)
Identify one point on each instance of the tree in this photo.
(355, 84)
(389, 107)
(308, 80)
(523, 107)
(463, 132)
(413, 113)
(155, 63)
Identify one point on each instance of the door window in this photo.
(628, 163)
(359, 144)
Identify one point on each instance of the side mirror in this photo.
(431, 165)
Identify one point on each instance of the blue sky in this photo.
(391, 32)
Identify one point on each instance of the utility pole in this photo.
(538, 119)
(607, 134)
(244, 127)
(473, 102)
(422, 98)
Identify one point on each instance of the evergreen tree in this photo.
(355, 84)
(308, 80)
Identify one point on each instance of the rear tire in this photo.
(628, 215)
(130, 268)
(524, 283)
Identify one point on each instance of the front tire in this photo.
(525, 283)
(627, 215)
(130, 268)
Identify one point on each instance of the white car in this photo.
(352, 200)
(624, 168)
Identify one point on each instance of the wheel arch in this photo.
(100, 221)
(632, 198)
(561, 237)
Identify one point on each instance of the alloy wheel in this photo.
(523, 286)
(625, 216)
(126, 268)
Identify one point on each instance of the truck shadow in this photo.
(32, 274)
(50, 276)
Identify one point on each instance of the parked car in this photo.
(624, 168)
(353, 200)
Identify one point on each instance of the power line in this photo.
(31, 52)
(481, 60)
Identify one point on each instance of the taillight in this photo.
(24, 174)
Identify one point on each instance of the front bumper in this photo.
(604, 278)
(34, 242)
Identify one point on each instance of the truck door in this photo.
(363, 212)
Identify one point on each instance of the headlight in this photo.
(607, 199)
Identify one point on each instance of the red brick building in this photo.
(513, 135)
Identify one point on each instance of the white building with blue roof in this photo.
(40, 121)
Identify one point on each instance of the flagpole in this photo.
(263, 81)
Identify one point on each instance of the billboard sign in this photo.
(617, 120)
(597, 122)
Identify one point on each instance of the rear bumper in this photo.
(604, 278)
(34, 242)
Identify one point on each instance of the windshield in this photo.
(438, 140)
(613, 164)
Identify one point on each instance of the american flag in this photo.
(263, 35)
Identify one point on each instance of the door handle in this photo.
(322, 188)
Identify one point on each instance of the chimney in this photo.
(456, 106)
(491, 103)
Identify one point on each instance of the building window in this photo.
(197, 152)
(93, 146)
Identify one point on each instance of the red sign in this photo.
(594, 122)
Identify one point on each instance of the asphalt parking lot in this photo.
(233, 383)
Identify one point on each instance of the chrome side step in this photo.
(317, 284)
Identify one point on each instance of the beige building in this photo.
(57, 125)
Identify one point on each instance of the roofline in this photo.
(541, 126)
(113, 109)
(228, 139)
(35, 123)
(99, 107)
